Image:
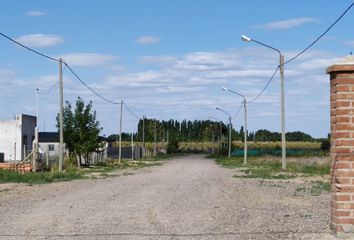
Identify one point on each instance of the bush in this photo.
(326, 145)
(172, 146)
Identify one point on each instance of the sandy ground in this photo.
(186, 198)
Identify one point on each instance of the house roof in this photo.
(54, 137)
(48, 137)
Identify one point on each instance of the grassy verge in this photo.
(37, 178)
(259, 167)
(101, 170)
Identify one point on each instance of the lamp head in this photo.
(224, 89)
(217, 108)
(245, 38)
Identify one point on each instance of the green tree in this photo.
(298, 136)
(81, 130)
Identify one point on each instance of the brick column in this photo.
(342, 146)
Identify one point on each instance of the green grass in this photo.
(316, 188)
(258, 167)
(320, 187)
(37, 178)
(102, 169)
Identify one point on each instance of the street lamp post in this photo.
(229, 155)
(282, 107)
(220, 135)
(245, 122)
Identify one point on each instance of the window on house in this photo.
(51, 147)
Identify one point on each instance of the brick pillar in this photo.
(342, 146)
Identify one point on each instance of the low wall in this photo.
(17, 167)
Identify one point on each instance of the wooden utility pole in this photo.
(61, 116)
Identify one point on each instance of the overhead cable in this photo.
(130, 111)
(238, 111)
(28, 48)
(88, 87)
(324, 33)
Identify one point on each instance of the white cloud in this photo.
(160, 60)
(189, 86)
(89, 59)
(40, 40)
(286, 24)
(146, 40)
(35, 13)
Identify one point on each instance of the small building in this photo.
(49, 148)
(49, 143)
(16, 137)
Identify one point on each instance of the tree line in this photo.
(82, 130)
(202, 131)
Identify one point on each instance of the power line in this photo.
(265, 87)
(110, 115)
(28, 48)
(88, 87)
(302, 52)
(57, 60)
(130, 111)
(324, 33)
(49, 90)
(238, 111)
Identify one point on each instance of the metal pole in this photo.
(120, 131)
(283, 145)
(282, 105)
(61, 116)
(246, 133)
(229, 136)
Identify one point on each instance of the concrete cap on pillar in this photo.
(343, 65)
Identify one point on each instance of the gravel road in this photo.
(186, 198)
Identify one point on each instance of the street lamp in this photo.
(282, 105)
(229, 128)
(220, 123)
(245, 122)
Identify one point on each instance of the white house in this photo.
(16, 137)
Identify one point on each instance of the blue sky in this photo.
(169, 59)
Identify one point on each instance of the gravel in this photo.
(188, 197)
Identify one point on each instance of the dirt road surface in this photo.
(186, 198)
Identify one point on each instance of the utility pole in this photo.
(35, 144)
(212, 141)
(132, 144)
(246, 133)
(155, 138)
(230, 136)
(283, 145)
(143, 136)
(120, 131)
(61, 117)
(37, 111)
